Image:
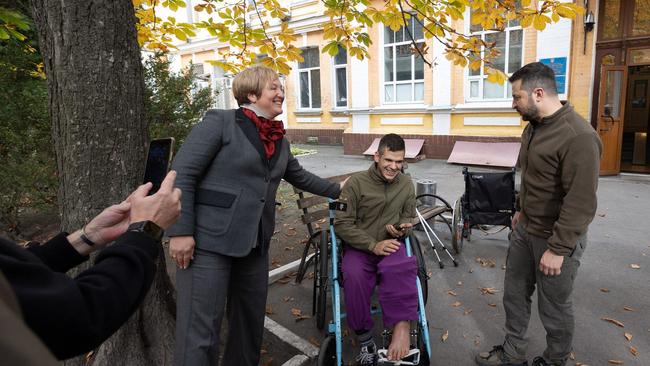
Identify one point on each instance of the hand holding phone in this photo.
(159, 159)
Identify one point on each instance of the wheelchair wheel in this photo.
(321, 281)
(327, 353)
(423, 276)
(458, 225)
(425, 360)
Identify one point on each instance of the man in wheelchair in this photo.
(380, 212)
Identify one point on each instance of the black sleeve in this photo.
(58, 254)
(74, 316)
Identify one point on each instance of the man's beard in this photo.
(531, 113)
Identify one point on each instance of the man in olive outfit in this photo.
(559, 161)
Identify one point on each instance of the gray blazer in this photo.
(229, 186)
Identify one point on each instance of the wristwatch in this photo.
(148, 227)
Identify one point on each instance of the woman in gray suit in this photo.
(229, 169)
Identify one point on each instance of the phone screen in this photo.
(158, 160)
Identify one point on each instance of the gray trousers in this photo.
(553, 296)
(211, 283)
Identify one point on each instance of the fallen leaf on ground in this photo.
(503, 267)
(615, 362)
(288, 248)
(471, 270)
(601, 215)
(450, 292)
(284, 281)
(604, 290)
(460, 283)
(614, 321)
(634, 351)
(296, 312)
(321, 221)
(456, 304)
(288, 298)
(489, 290)
(263, 351)
(627, 308)
(486, 262)
(635, 266)
(290, 232)
(269, 310)
(477, 342)
(467, 312)
(492, 304)
(572, 356)
(581, 364)
(628, 336)
(313, 341)
(445, 336)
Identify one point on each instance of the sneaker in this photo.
(497, 357)
(540, 361)
(367, 356)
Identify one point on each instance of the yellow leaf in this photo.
(180, 34)
(614, 321)
(634, 351)
(445, 336)
(628, 336)
(540, 22)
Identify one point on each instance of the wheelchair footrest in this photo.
(412, 358)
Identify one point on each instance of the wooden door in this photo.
(611, 114)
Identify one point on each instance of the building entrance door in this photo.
(635, 154)
(611, 108)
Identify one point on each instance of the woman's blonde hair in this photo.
(253, 80)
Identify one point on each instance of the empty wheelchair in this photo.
(328, 282)
(489, 200)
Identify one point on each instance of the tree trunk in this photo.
(96, 91)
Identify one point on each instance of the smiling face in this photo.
(523, 103)
(390, 163)
(270, 100)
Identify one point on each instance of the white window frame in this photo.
(394, 83)
(481, 77)
(335, 89)
(309, 77)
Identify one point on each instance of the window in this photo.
(510, 45)
(340, 78)
(309, 78)
(403, 66)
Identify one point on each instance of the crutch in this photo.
(427, 230)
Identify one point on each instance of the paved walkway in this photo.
(469, 320)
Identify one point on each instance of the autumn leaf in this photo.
(604, 290)
(489, 290)
(628, 336)
(634, 351)
(614, 321)
(456, 304)
(467, 312)
(492, 304)
(452, 293)
(635, 266)
(269, 310)
(313, 341)
(627, 308)
(445, 336)
(615, 362)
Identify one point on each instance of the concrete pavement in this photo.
(608, 284)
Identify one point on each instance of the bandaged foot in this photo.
(400, 342)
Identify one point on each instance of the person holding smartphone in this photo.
(229, 169)
(72, 316)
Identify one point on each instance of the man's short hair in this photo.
(253, 80)
(536, 75)
(391, 142)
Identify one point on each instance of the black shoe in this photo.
(497, 357)
(540, 361)
(367, 356)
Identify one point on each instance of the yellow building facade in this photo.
(345, 101)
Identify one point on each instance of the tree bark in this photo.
(96, 90)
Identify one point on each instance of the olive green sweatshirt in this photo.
(559, 160)
(373, 202)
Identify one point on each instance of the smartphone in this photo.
(159, 158)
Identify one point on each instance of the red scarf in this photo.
(270, 130)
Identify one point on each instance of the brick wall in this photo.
(325, 136)
(435, 147)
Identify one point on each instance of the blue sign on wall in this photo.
(558, 65)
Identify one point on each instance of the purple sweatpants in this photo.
(395, 275)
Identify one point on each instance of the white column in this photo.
(441, 91)
(359, 93)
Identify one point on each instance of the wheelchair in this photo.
(327, 282)
(489, 200)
